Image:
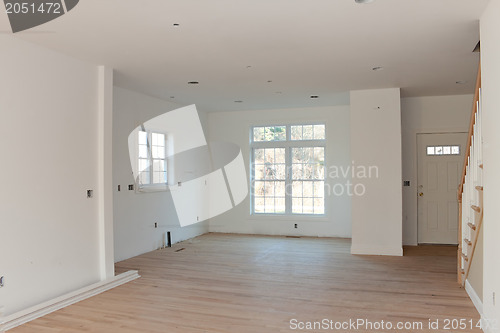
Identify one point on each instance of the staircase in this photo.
(470, 191)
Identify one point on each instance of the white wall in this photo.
(376, 141)
(49, 231)
(476, 269)
(436, 114)
(490, 55)
(235, 126)
(136, 213)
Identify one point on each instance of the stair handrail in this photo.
(463, 274)
(471, 132)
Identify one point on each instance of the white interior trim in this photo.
(42, 309)
(105, 172)
(474, 297)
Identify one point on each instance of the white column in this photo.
(105, 185)
(376, 145)
(490, 82)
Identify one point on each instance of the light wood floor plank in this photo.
(237, 283)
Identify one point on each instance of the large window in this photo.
(288, 169)
(152, 163)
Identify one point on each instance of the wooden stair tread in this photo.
(476, 208)
(473, 160)
(472, 226)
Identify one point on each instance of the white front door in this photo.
(439, 159)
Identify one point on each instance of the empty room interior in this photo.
(250, 166)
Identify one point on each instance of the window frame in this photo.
(151, 186)
(288, 144)
(451, 146)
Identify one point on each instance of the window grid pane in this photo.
(319, 132)
(143, 138)
(307, 168)
(258, 134)
(296, 133)
(269, 180)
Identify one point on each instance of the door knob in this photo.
(421, 194)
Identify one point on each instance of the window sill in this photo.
(283, 217)
(156, 188)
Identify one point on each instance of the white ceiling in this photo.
(305, 47)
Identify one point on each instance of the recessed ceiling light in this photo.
(172, 96)
(363, 1)
(314, 96)
(238, 101)
(249, 66)
(193, 82)
(461, 82)
(269, 81)
(377, 68)
(176, 24)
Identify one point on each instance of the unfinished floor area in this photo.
(239, 283)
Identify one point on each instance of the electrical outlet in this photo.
(156, 224)
(296, 226)
(90, 194)
(119, 188)
(2, 281)
(131, 187)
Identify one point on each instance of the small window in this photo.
(443, 150)
(151, 158)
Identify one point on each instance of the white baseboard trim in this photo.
(474, 297)
(376, 250)
(60, 302)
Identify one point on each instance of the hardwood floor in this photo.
(236, 283)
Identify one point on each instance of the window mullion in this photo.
(150, 156)
(252, 179)
(288, 181)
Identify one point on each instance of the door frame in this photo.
(416, 156)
